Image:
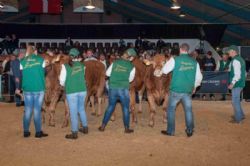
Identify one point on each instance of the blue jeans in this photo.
(33, 101)
(114, 96)
(238, 112)
(76, 106)
(174, 98)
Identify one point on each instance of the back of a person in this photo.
(185, 68)
(75, 81)
(120, 74)
(33, 74)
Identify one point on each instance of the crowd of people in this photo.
(23, 68)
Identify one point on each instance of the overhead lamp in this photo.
(175, 5)
(90, 5)
(182, 14)
(1, 5)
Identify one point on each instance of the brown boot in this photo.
(101, 128)
(128, 131)
(73, 135)
(84, 130)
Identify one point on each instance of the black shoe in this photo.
(128, 131)
(71, 136)
(26, 134)
(84, 130)
(101, 128)
(41, 134)
(164, 132)
(222, 99)
(189, 134)
(235, 122)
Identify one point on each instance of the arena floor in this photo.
(215, 142)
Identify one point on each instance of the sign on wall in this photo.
(214, 82)
(79, 6)
(9, 6)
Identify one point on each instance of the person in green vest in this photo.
(121, 72)
(183, 67)
(223, 66)
(237, 79)
(33, 85)
(73, 80)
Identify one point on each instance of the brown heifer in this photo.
(137, 86)
(95, 81)
(157, 86)
(54, 91)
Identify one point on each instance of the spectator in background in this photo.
(122, 43)
(223, 65)
(6, 69)
(102, 59)
(160, 43)
(208, 64)
(14, 43)
(68, 44)
(195, 54)
(7, 44)
(17, 77)
(89, 55)
(138, 42)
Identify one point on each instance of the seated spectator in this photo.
(89, 55)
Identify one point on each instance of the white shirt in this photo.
(131, 75)
(237, 71)
(170, 64)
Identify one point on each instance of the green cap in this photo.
(131, 52)
(74, 52)
(232, 47)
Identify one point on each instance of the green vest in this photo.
(75, 81)
(33, 75)
(241, 82)
(119, 78)
(183, 77)
(224, 66)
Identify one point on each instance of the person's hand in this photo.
(194, 90)
(17, 91)
(17, 79)
(230, 86)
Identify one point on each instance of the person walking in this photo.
(33, 85)
(121, 72)
(183, 67)
(237, 79)
(72, 78)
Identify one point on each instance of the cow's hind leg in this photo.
(99, 112)
(66, 115)
(152, 108)
(52, 108)
(92, 101)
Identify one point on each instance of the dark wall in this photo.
(213, 32)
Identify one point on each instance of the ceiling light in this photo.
(1, 5)
(182, 14)
(175, 5)
(90, 5)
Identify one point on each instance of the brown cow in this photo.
(95, 80)
(54, 91)
(157, 85)
(137, 86)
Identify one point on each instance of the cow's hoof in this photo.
(93, 113)
(52, 125)
(151, 124)
(112, 118)
(65, 125)
(139, 111)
